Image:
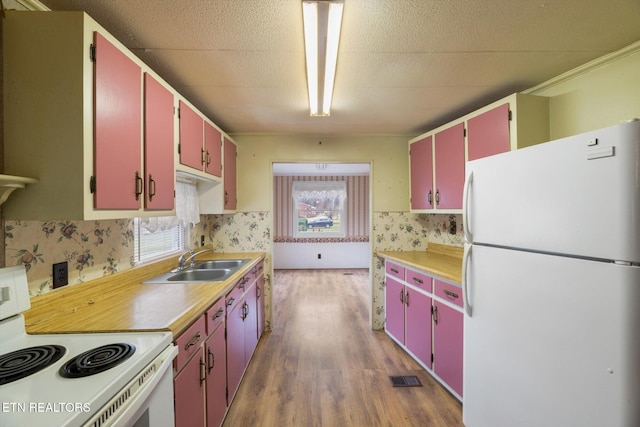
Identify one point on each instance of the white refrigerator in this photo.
(551, 284)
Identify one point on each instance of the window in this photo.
(319, 208)
(160, 236)
(156, 237)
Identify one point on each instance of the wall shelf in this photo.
(9, 183)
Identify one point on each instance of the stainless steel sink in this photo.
(220, 263)
(203, 271)
(211, 275)
(192, 276)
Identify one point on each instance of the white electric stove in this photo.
(96, 379)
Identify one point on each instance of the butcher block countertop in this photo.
(121, 303)
(442, 261)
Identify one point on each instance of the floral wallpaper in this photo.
(404, 231)
(99, 248)
(92, 248)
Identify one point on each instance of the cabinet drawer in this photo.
(246, 282)
(250, 277)
(394, 270)
(233, 297)
(420, 280)
(215, 316)
(258, 270)
(448, 292)
(189, 341)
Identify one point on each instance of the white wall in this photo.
(333, 255)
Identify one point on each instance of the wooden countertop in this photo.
(121, 303)
(442, 261)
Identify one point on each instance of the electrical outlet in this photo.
(202, 240)
(319, 256)
(60, 274)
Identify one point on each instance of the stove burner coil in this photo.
(97, 360)
(24, 362)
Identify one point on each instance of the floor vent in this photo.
(406, 381)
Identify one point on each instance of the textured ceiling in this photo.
(404, 66)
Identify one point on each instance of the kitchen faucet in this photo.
(188, 258)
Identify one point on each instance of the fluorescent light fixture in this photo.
(322, 22)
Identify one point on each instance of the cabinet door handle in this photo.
(434, 314)
(203, 156)
(437, 197)
(451, 294)
(258, 293)
(139, 185)
(430, 197)
(208, 158)
(203, 371)
(226, 197)
(193, 341)
(219, 313)
(402, 296)
(245, 311)
(406, 298)
(152, 187)
(415, 279)
(211, 360)
(230, 302)
(393, 270)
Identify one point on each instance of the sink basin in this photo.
(193, 276)
(220, 263)
(211, 275)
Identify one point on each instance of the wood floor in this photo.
(322, 365)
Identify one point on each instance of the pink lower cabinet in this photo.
(425, 316)
(200, 382)
(216, 384)
(189, 381)
(447, 345)
(408, 318)
(418, 325)
(242, 329)
(235, 341)
(250, 322)
(394, 309)
(260, 305)
(188, 388)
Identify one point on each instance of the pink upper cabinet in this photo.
(230, 198)
(421, 160)
(213, 150)
(488, 133)
(191, 137)
(449, 148)
(158, 145)
(117, 128)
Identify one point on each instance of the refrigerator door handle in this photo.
(468, 308)
(468, 237)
